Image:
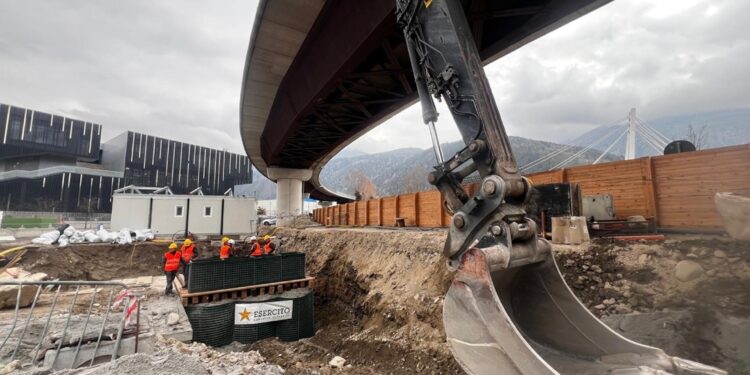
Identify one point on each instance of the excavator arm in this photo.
(508, 310)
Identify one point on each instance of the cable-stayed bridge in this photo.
(625, 135)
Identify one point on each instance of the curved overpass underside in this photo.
(319, 73)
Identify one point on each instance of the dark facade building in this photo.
(54, 163)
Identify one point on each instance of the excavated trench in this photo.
(378, 302)
(379, 295)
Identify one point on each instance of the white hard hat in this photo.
(231, 242)
(253, 238)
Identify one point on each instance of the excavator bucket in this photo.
(525, 320)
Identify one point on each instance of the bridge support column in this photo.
(289, 192)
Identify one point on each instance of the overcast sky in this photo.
(174, 68)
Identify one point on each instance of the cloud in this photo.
(171, 69)
(664, 58)
(174, 69)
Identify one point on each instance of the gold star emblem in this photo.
(244, 314)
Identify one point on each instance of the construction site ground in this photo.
(379, 295)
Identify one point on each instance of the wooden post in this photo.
(380, 212)
(397, 207)
(442, 211)
(650, 188)
(416, 209)
(367, 212)
(561, 175)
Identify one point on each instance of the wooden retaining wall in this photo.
(677, 190)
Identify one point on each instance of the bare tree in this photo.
(261, 211)
(363, 187)
(697, 136)
(414, 180)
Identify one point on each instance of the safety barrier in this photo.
(214, 324)
(58, 337)
(215, 274)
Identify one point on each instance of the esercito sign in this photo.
(255, 313)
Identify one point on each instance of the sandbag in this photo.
(139, 236)
(149, 234)
(69, 231)
(77, 237)
(90, 236)
(124, 238)
(106, 236)
(47, 238)
(63, 241)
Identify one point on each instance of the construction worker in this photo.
(189, 252)
(263, 247)
(251, 243)
(269, 246)
(171, 263)
(226, 250)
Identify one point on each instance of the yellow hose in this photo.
(8, 251)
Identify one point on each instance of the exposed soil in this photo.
(697, 319)
(366, 310)
(95, 261)
(379, 295)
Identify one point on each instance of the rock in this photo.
(710, 272)
(10, 367)
(720, 254)
(609, 301)
(8, 293)
(599, 307)
(687, 270)
(643, 258)
(337, 362)
(692, 256)
(596, 269)
(172, 319)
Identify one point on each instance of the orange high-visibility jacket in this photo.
(224, 252)
(187, 252)
(257, 251)
(172, 262)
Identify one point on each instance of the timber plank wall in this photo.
(677, 190)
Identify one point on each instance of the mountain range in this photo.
(405, 170)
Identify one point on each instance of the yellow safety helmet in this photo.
(224, 240)
(266, 238)
(187, 242)
(172, 246)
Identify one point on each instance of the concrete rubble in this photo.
(171, 357)
(8, 293)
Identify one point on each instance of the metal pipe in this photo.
(436, 143)
(26, 325)
(120, 330)
(67, 323)
(137, 324)
(104, 323)
(46, 325)
(85, 325)
(15, 317)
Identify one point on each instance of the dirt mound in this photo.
(95, 261)
(379, 298)
(698, 318)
